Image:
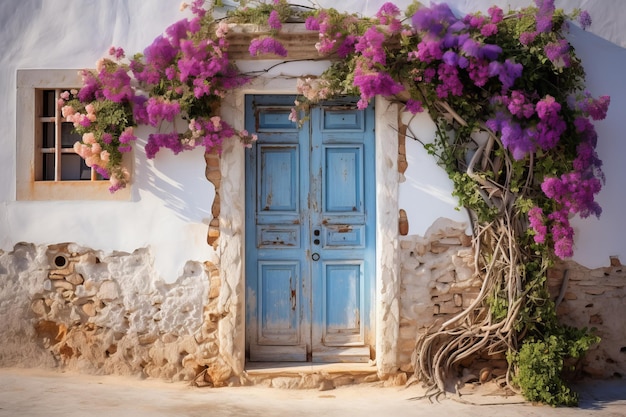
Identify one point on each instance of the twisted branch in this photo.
(439, 351)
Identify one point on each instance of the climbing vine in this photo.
(514, 133)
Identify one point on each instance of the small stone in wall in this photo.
(89, 309)
(437, 248)
(39, 307)
(108, 291)
(596, 319)
(75, 279)
(458, 300)
(63, 285)
(466, 240)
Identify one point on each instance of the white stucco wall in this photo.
(171, 201)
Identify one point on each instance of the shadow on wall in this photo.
(178, 182)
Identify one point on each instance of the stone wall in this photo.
(75, 308)
(437, 281)
(595, 299)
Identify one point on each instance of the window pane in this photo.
(48, 167)
(49, 103)
(68, 136)
(48, 135)
(73, 168)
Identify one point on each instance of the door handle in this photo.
(315, 256)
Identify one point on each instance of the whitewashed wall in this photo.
(170, 206)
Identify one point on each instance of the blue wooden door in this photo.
(310, 232)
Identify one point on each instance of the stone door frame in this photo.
(231, 306)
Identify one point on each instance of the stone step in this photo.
(307, 375)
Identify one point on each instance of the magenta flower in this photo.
(559, 53)
(584, 19)
(312, 23)
(433, 19)
(117, 53)
(375, 83)
(587, 158)
(387, 11)
(274, 20)
(347, 46)
(475, 21)
(544, 15)
(178, 32)
(116, 85)
(535, 217)
(90, 89)
(518, 105)
(507, 73)
(267, 45)
(589, 106)
(471, 48)
(197, 8)
(371, 47)
(490, 52)
(450, 83)
(388, 15)
(489, 29)
(127, 136)
(496, 14)
(429, 49)
(156, 141)
(526, 38)
(102, 171)
(159, 110)
(414, 106)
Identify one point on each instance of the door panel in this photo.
(342, 303)
(343, 181)
(278, 321)
(278, 300)
(310, 214)
(342, 284)
(278, 178)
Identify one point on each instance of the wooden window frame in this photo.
(29, 180)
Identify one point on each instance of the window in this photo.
(47, 166)
(56, 159)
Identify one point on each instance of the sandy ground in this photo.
(29, 392)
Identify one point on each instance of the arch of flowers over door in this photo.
(514, 133)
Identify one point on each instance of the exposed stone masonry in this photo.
(437, 281)
(214, 175)
(594, 298)
(70, 307)
(74, 308)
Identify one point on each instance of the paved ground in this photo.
(43, 393)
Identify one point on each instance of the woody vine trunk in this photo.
(513, 306)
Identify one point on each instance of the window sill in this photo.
(70, 190)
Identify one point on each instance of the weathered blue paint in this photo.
(310, 232)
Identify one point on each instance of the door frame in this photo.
(308, 313)
(231, 250)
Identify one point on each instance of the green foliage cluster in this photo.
(257, 12)
(541, 362)
(549, 350)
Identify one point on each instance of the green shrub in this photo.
(539, 365)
